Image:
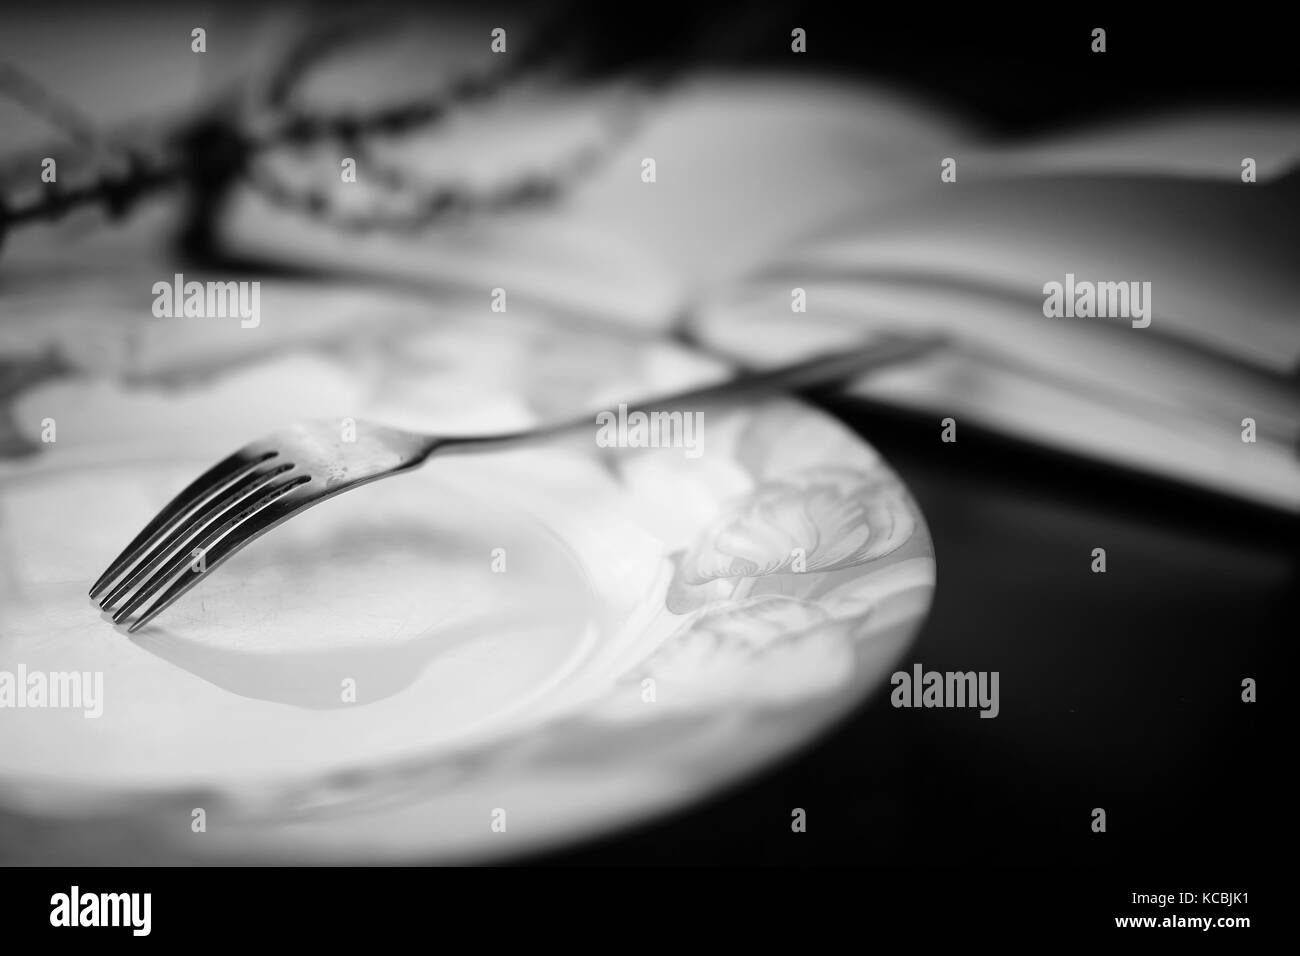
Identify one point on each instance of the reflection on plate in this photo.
(485, 657)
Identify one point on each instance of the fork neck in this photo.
(816, 372)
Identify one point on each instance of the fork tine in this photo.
(243, 533)
(211, 482)
(212, 532)
(193, 523)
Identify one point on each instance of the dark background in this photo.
(1016, 71)
(1120, 690)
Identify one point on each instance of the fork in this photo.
(270, 480)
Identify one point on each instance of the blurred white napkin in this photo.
(766, 184)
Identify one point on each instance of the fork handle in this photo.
(816, 372)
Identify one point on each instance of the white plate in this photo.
(655, 634)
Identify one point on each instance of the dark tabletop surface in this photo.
(1119, 690)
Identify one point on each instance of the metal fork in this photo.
(275, 478)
